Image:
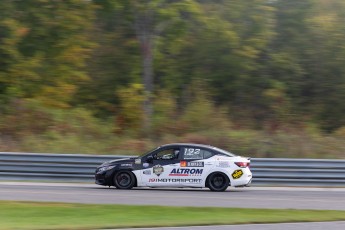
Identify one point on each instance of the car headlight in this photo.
(105, 168)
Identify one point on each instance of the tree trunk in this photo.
(144, 32)
(148, 83)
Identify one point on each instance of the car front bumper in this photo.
(104, 178)
(100, 179)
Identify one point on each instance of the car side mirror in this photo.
(149, 159)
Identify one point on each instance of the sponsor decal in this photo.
(223, 164)
(222, 158)
(158, 170)
(170, 180)
(137, 161)
(186, 172)
(147, 172)
(192, 164)
(237, 174)
(126, 165)
(145, 165)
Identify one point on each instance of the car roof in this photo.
(189, 144)
(209, 147)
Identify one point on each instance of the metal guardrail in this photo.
(298, 172)
(80, 168)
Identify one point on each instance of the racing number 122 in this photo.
(191, 151)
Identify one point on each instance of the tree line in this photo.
(262, 63)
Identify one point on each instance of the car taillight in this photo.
(242, 164)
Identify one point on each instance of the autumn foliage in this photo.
(260, 78)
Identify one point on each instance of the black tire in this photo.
(217, 182)
(124, 180)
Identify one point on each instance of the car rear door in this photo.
(193, 167)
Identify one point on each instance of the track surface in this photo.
(253, 197)
(336, 225)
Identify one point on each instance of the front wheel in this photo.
(124, 180)
(217, 182)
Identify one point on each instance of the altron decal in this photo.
(186, 172)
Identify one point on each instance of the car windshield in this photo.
(224, 152)
(144, 154)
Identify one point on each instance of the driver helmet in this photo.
(176, 152)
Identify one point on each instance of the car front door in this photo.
(162, 163)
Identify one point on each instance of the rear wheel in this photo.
(124, 180)
(217, 182)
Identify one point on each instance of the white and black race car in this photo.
(177, 165)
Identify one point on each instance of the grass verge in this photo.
(37, 215)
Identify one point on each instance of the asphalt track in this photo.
(336, 225)
(252, 197)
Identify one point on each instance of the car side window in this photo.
(167, 154)
(196, 154)
(207, 154)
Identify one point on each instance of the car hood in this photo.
(118, 161)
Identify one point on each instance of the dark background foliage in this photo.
(262, 78)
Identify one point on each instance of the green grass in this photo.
(37, 215)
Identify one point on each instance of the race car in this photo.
(178, 165)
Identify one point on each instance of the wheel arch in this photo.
(215, 172)
(126, 170)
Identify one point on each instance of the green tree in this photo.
(222, 46)
(12, 61)
(327, 55)
(46, 48)
(115, 61)
(305, 56)
(131, 116)
(149, 20)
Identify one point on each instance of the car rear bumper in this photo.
(244, 185)
(244, 180)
